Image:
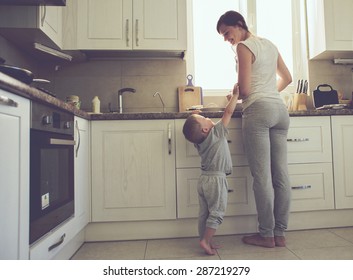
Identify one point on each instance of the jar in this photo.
(74, 100)
(96, 105)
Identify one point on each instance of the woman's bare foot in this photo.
(208, 249)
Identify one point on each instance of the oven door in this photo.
(51, 181)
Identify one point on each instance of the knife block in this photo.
(302, 102)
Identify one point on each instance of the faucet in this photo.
(160, 98)
(120, 97)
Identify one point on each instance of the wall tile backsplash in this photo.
(103, 78)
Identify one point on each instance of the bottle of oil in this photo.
(96, 105)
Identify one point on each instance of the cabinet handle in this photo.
(298, 140)
(137, 32)
(230, 190)
(44, 8)
(169, 139)
(229, 141)
(7, 101)
(127, 33)
(301, 187)
(79, 138)
(63, 142)
(61, 240)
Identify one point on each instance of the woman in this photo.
(265, 123)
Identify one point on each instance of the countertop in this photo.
(24, 90)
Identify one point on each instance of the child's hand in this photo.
(236, 89)
(229, 96)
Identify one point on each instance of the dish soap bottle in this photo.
(96, 105)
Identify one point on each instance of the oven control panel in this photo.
(46, 118)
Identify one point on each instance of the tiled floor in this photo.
(322, 244)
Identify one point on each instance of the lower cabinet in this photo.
(14, 176)
(312, 187)
(54, 242)
(240, 197)
(133, 170)
(310, 169)
(342, 137)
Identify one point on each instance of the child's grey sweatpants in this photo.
(212, 189)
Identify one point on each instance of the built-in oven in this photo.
(51, 169)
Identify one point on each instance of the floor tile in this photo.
(283, 254)
(321, 238)
(179, 248)
(345, 233)
(332, 253)
(232, 244)
(122, 250)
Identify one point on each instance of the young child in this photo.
(210, 141)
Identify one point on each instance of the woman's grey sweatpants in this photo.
(212, 189)
(265, 126)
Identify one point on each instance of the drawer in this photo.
(309, 140)
(312, 187)
(51, 244)
(240, 197)
(187, 155)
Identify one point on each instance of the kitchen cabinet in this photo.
(240, 197)
(82, 172)
(29, 24)
(329, 28)
(310, 163)
(310, 169)
(14, 174)
(133, 170)
(131, 25)
(342, 135)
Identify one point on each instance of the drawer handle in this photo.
(301, 187)
(298, 140)
(7, 101)
(57, 243)
(229, 141)
(230, 190)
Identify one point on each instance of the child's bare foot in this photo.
(208, 249)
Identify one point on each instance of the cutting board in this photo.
(189, 95)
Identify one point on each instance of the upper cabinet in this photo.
(131, 25)
(30, 24)
(330, 24)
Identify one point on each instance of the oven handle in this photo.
(64, 142)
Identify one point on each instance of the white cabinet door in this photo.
(131, 24)
(187, 155)
(133, 170)
(241, 199)
(82, 173)
(159, 24)
(342, 135)
(329, 27)
(14, 174)
(105, 25)
(29, 24)
(312, 187)
(309, 140)
(50, 22)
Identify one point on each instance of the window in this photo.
(211, 60)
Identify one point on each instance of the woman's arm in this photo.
(285, 78)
